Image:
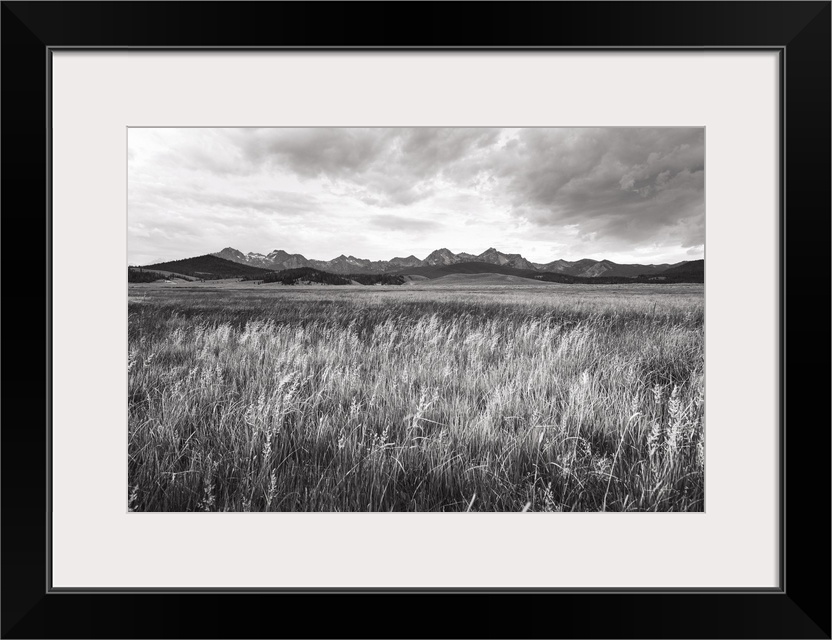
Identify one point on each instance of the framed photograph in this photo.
(494, 305)
(490, 381)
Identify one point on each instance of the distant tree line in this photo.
(140, 275)
(676, 278)
(293, 276)
(376, 278)
(308, 274)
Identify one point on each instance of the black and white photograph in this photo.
(416, 319)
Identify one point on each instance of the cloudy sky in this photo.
(625, 194)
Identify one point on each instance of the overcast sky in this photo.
(625, 194)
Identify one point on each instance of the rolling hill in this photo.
(486, 267)
(694, 267)
(678, 274)
(440, 263)
(208, 267)
(483, 279)
(693, 271)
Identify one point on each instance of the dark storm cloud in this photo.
(419, 152)
(388, 166)
(630, 184)
(625, 183)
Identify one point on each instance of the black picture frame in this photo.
(799, 608)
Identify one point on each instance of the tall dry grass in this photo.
(539, 399)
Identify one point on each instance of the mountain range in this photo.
(279, 260)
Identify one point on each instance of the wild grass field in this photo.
(458, 398)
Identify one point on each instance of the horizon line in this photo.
(413, 255)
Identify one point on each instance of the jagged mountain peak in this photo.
(441, 257)
(278, 260)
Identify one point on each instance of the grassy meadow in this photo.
(416, 398)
